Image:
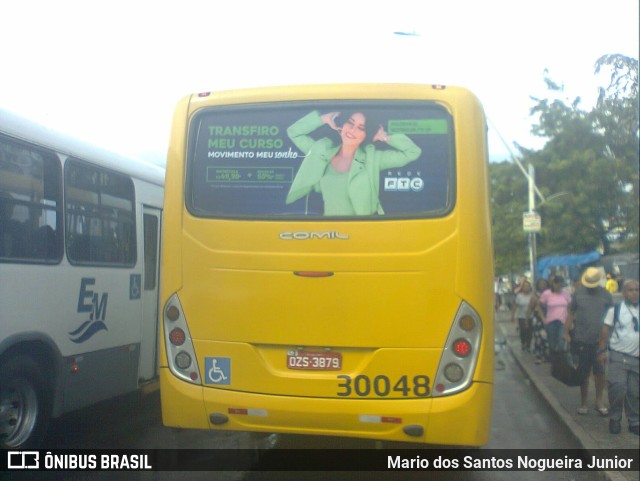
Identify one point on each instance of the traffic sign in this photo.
(531, 222)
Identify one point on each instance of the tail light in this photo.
(460, 355)
(462, 347)
(180, 351)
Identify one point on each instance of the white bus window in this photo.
(100, 216)
(30, 220)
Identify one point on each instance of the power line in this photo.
(514, 157)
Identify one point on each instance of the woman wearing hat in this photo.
(588, 307)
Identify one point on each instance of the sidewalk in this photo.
(592, 430)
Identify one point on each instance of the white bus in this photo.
(79, 265)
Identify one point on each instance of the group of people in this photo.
(602, 335)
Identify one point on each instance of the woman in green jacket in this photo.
(347, 175)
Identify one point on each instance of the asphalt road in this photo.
(521, 420)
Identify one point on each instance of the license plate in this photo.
(314, 360)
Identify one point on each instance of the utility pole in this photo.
(532, 233)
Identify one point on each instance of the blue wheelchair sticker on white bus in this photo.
(217, 370)
(135, 289)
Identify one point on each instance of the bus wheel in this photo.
(25, 403)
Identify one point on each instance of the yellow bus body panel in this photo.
(454, 420)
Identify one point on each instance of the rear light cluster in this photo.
(460, 355)
(180, 351)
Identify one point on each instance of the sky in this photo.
(111, 73)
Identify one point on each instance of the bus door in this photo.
(149, 335)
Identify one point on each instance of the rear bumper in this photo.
(461, 419)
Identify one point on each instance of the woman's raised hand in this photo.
(330, 119)
(381, 135)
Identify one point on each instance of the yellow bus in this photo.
(327, 264)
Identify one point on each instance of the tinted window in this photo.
(150, 251)
(100, 216)
(338, 159)
(30, 203)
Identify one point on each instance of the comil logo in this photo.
(23, 460)
(302, 235)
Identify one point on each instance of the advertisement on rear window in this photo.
(333, 159)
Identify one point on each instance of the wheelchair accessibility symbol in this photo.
(218, 370)
(135, 283)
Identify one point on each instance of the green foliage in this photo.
(592, 156)
(509, 201)
(617, 115)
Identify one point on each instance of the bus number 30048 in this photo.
(382, 386)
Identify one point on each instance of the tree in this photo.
(590, 155)
(508, 200)
(617, 116)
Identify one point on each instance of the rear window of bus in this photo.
(339, 159)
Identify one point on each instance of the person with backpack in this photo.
(620, 334)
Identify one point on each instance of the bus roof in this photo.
(32, 132)
(331, 91)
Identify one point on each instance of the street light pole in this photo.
(530, 218)
(532, 222)
(532, 235)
